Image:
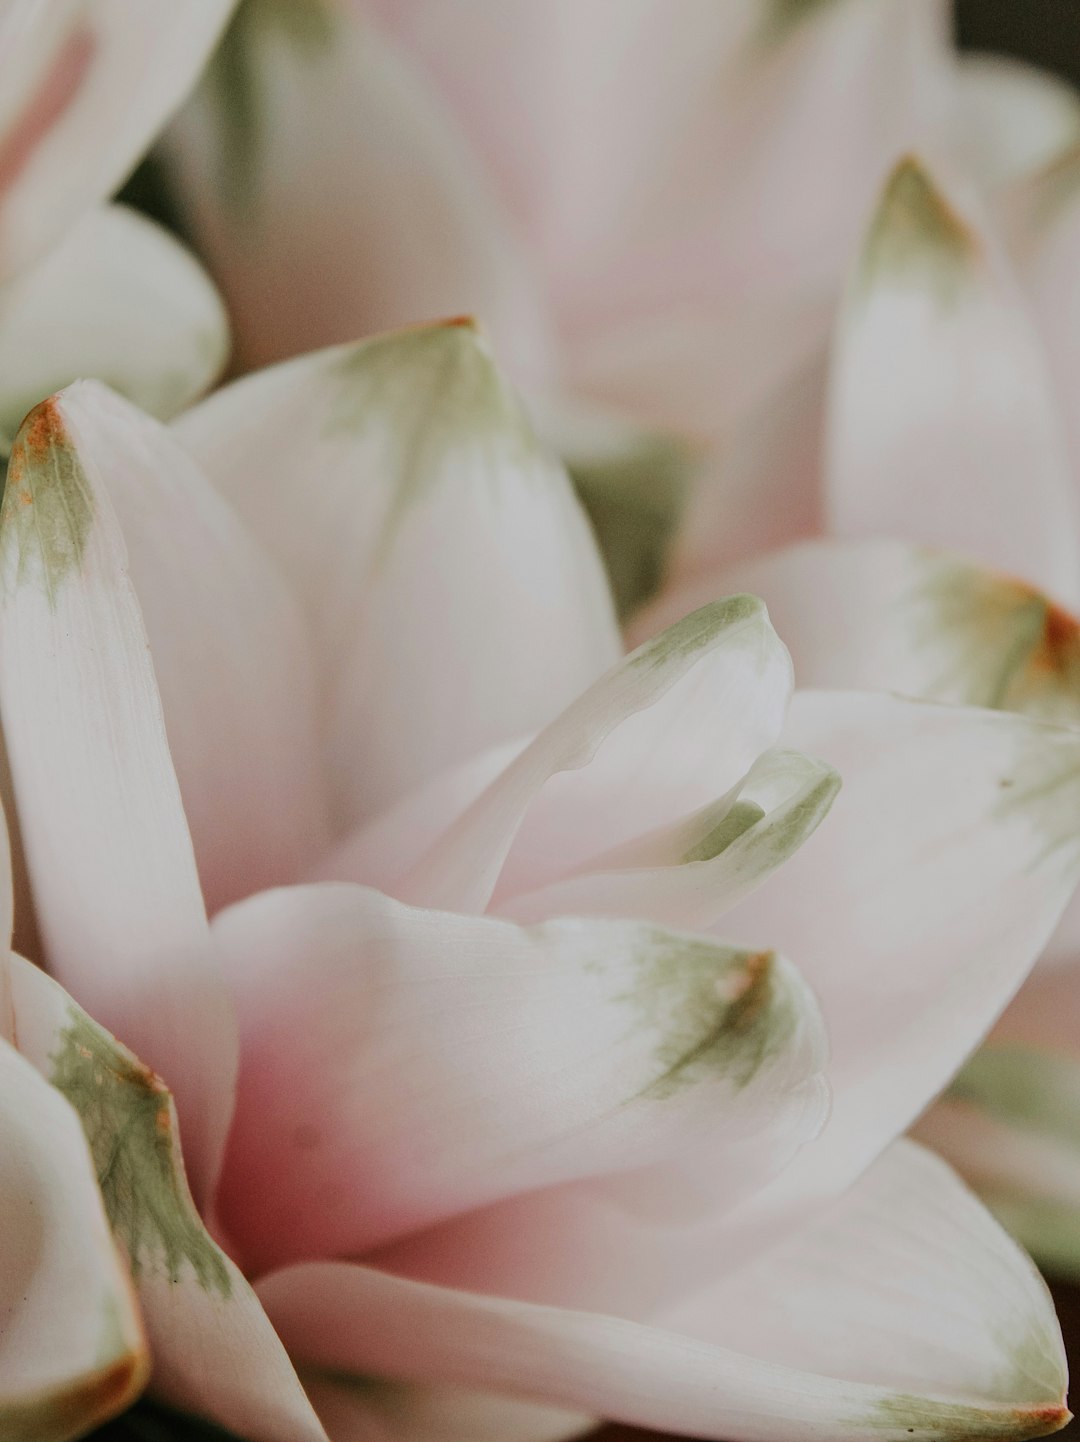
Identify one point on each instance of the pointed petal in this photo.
(72, 1351)
(1009, 1124)
(215, 1353)
(719, 673)
(946, 907)
(251, 779)
(858, 1366)
(118, 299)
(434, 1062)
(319, 169)
(434, 526)
(905, 1280)
(109, 849)
(883, 615)
(921, 444)
(88, 83)
(689, 874)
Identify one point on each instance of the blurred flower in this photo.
(523, 1170)
(88, 288)
(651, 209)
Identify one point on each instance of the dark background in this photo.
(1047, 32)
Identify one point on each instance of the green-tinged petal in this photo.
(401, 486)
(689, 874)
(101, 817)
(215, 1354)
(439, 1062)
(903, 1311)
(884, 615)
(720, 673)
(920, 446)
(120, 300)
(72, 1350)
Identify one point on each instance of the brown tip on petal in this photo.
(462, 322)
(43, 428)
(99, 1397)
(1042, 1421)
(1061, 638)
(916, 235)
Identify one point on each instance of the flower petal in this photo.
(87, 85)
(940, 399)
(433, 526)
(687, 714)
(914, 933)
(854, 1357)
(883, 615)
(320, 170)
(689, 874)
(251, 780)
(429, 1063)
(109, 850)
(118, 298)
(72, 1352)
(215, 1353)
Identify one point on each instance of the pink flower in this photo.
(334, 662)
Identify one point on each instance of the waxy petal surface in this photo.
(215, 1353)
(400, 1066)
(120, 299)
(668, 730)
(250, 772)
(87, 86)
(940, 399)
(72, 1351)
(102, 822)
(401, 487)
(855, 1367)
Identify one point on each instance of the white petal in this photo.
(432, 527)
(109, 849)
(231, 654)
(119, 299)
(689, 874)
(916, 911)
(430, 1062)
(215, 1353)
(940, 399)
(852, 1357)
(687, 714)
(88, 83)
(72, 1351)
(1011, 118)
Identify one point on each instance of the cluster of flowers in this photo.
(458, 990)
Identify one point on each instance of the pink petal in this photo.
(401, 1066)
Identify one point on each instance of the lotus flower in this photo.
(88, 288)
(491, 1082)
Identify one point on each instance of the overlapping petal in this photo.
(427, 1063)
(118, 299)
(215, 1353)
(72, 1352)
(849, 1357)
(109, 850)
(400, 485)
